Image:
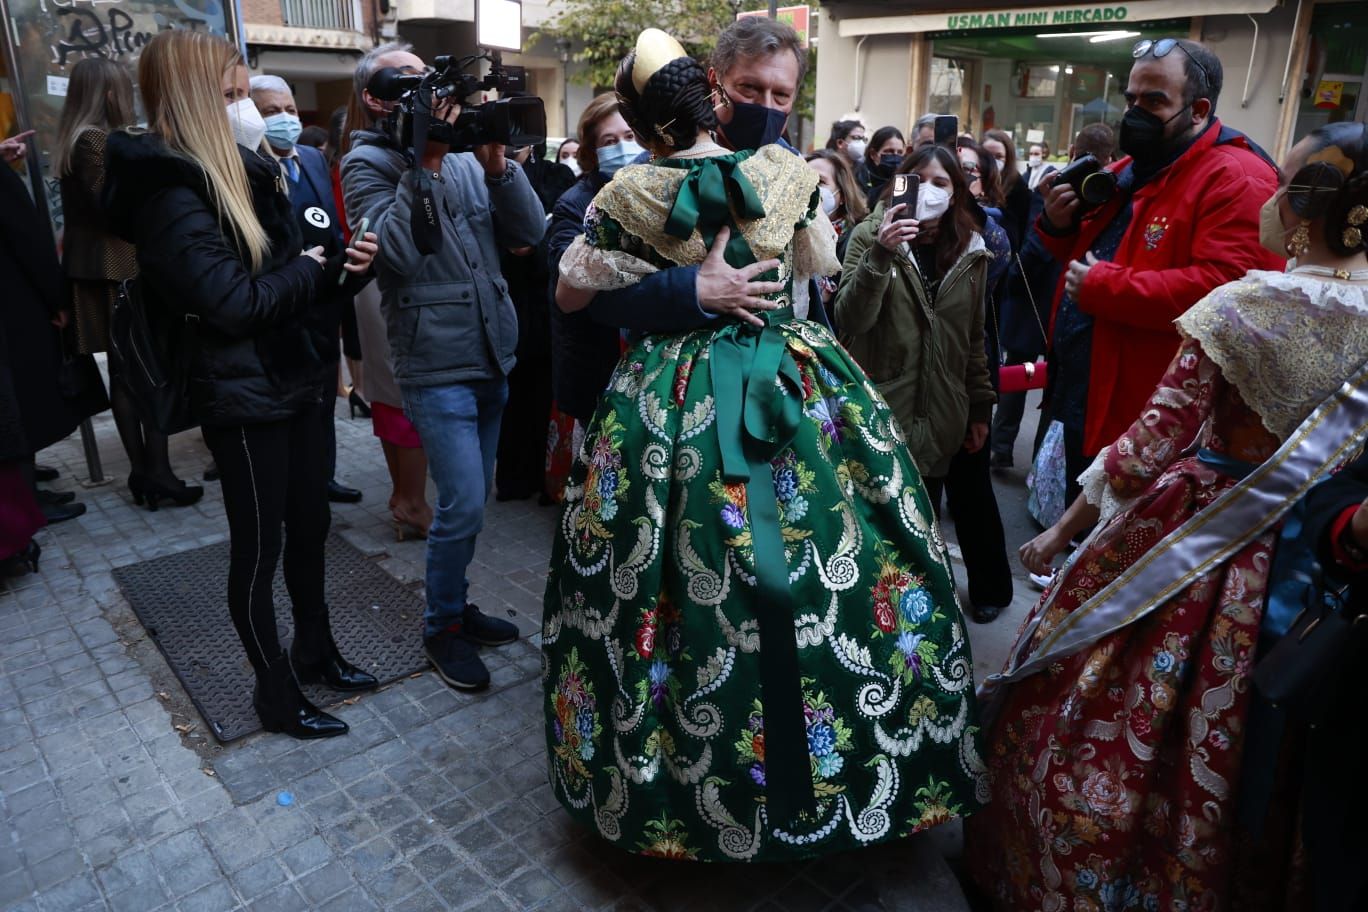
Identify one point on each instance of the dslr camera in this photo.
(1094, 185)
(514, 119)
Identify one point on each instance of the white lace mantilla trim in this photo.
(1097, 490)
(591, 269)
(1321, 290)
(814, 248)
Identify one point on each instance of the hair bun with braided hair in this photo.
(1336, 186)
(673, 108)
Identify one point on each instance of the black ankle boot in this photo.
(316, 659)
(283, 707)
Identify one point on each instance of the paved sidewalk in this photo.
(113, 796)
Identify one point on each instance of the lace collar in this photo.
(1320, 290)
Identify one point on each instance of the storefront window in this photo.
(1336, 67)
(947, 86)
(1039, 84)
(50, 38)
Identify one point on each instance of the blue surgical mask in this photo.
(282, 131)
(613, 157)
(752, 125)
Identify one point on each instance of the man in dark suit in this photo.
(309, 182)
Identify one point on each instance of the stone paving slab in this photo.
(112, 796)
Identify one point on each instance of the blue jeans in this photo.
(459, 425)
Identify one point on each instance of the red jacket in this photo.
(1193, 227)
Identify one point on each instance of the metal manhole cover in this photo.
(181, 600)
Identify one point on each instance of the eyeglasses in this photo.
(969, 167)
(1162, 48)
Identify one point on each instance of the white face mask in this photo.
(572, 164)
(1036, 159)
(248, 127)
(932, 202)
(829, 203)
(856, 148)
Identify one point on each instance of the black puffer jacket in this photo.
(255, 359)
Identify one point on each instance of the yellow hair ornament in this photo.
(654, 49)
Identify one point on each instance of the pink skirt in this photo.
(392, 426)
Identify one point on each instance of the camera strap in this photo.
(424, 220)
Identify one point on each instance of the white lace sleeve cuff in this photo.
(1099, 492)
(591, 269)
(814, 248)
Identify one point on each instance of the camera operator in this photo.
(1184, 219)
(453, 331)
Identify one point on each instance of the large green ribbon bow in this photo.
(759, 398)
(705, 202)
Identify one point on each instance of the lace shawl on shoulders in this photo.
(639, 197)
(1285, 341)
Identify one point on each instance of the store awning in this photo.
(1089, 15)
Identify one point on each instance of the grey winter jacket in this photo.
(449, 316)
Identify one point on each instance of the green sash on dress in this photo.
(757, 418)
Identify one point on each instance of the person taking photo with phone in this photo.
(911, 310)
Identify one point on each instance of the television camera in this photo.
(513, 119)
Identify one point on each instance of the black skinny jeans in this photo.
(968, 487)
(274, 474)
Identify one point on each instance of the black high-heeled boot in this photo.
(316, 659)
(282, 706)
(357, 405)
(154, 491)
(27, 558)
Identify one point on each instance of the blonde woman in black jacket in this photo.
(184, 194)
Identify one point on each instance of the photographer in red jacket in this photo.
(1184, 219)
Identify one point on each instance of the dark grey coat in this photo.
(449, 315)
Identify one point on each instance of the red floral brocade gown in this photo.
(1115, 770)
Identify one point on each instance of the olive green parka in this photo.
(926, 356)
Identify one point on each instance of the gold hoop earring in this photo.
(1300, 242)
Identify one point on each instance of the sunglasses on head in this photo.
(1162, 48)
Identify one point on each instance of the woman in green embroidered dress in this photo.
(753, 648)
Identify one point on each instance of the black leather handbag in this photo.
(144, 357)
(1310, 658)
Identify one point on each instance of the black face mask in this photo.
(887, 165)
(1142, 134)
(753, 125)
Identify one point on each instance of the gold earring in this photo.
(1300, 241)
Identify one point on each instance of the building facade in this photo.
(1042, 71)
(314, 45)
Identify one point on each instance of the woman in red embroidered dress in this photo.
(1116, 763)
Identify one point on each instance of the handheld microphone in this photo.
(391, 83)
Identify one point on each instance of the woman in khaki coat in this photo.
(911, 310)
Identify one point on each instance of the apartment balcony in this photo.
(307, 24)
(342, 15)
